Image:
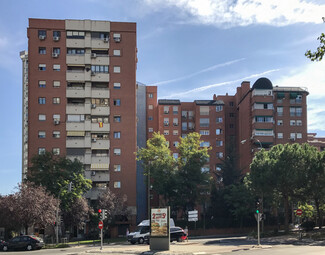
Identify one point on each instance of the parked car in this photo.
(176, 234)
(26, 242)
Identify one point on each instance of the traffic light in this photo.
(104, 214)
(258, 207)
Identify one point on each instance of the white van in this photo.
(142, 230)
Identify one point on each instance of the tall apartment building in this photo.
(81, 99)
(255, 117)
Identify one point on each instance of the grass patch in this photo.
(54, 246)
(97, 241)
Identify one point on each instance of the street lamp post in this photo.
(148, 186)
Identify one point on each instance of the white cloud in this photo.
(312, 77)
(229, 13)
(193, 92)
(199, 72)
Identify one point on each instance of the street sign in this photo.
(193, 215)
(100, 225)
(299, 212)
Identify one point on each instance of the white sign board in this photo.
(193, 215)
(159, 222)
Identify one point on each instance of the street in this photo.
(211, 246)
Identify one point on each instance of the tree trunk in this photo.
(286, 212)
(319, 214)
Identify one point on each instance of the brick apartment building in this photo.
(79, 99)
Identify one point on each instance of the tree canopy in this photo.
(319, 53)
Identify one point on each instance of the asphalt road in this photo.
(211, 246)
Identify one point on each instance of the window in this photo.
(117, 85)
(175, 155)
(100, 36)
(268, 119)
(280, 135)
(56, 84)
(166, 122)
(117, 118)
(41, 84)
(117, 185)
(117, 52)
(231, 115)
(190, 115)
(175, 144)
(42, 50)
(56, 134)
(218, 167)
(280, 122)
(184, 126)
(299, 122)
(219, 143)
(205, 169)
(293, 136)
(292, 122)
(42, 117)
(56, 35)
(117, 152)
(56, 116)
(41, 100)
(219, 120)
(99, 102)
(116, 37)
(42, 33)
(150, 130)
(263, 132)
(204, 132)
(41, 67)
(231, 125)
(117, 168)
(204, 110)
(56, 100)
(295, 111)
(190, 126)
(150, 106)
(117, 135)
(218, 131)
(41, 134)
(56, 67)
(175, 109)
(166, 109)
(231, 103)
(175, 132)
(99, 120)
(56, 51)
(175, 122)
(166, 132)
(219, 154)
(219, 108)
(117, 69)
(184, 114)
(99, 69)
(205, 144)
(117, 102)
(279, 110)
(41, 151)
(150, 95)
(56, 151)
(299, 135)
(150, 118)
(76, 34)
(204, 122)
(76, 118)
(75, 51)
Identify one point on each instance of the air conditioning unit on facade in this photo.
(93, 73)
(56, 122)
(55, 55)
(93, 55)
(56, 38)
(93, 173)
(93, 140)
(299, 97)
(117, 39)
(106, 39)
(93, 106)
(42, 37)
(292, 139)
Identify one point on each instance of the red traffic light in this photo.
(100, 210)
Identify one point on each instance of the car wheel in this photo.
(29, 247)
(140, 240)
(5, 248)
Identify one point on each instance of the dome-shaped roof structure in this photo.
(263, 83)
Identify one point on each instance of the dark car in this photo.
(176, 234)
(27, 242)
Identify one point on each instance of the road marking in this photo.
(198, 253)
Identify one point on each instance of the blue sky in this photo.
(191, 49)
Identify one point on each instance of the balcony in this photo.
(100, 43)
(76, 76)
(100, 176)
(99, 77)
(75, 92)
(100, 144)
(99, 59)
(78, 109)
(76, 142)
(97, 127)
(76, 59)
(100, 93)
(95, 160)
(94, 193)
(100, 110)
(78, 126)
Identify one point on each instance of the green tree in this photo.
(159, 164)
(191, 180)
(55, 173)
(319, 53)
